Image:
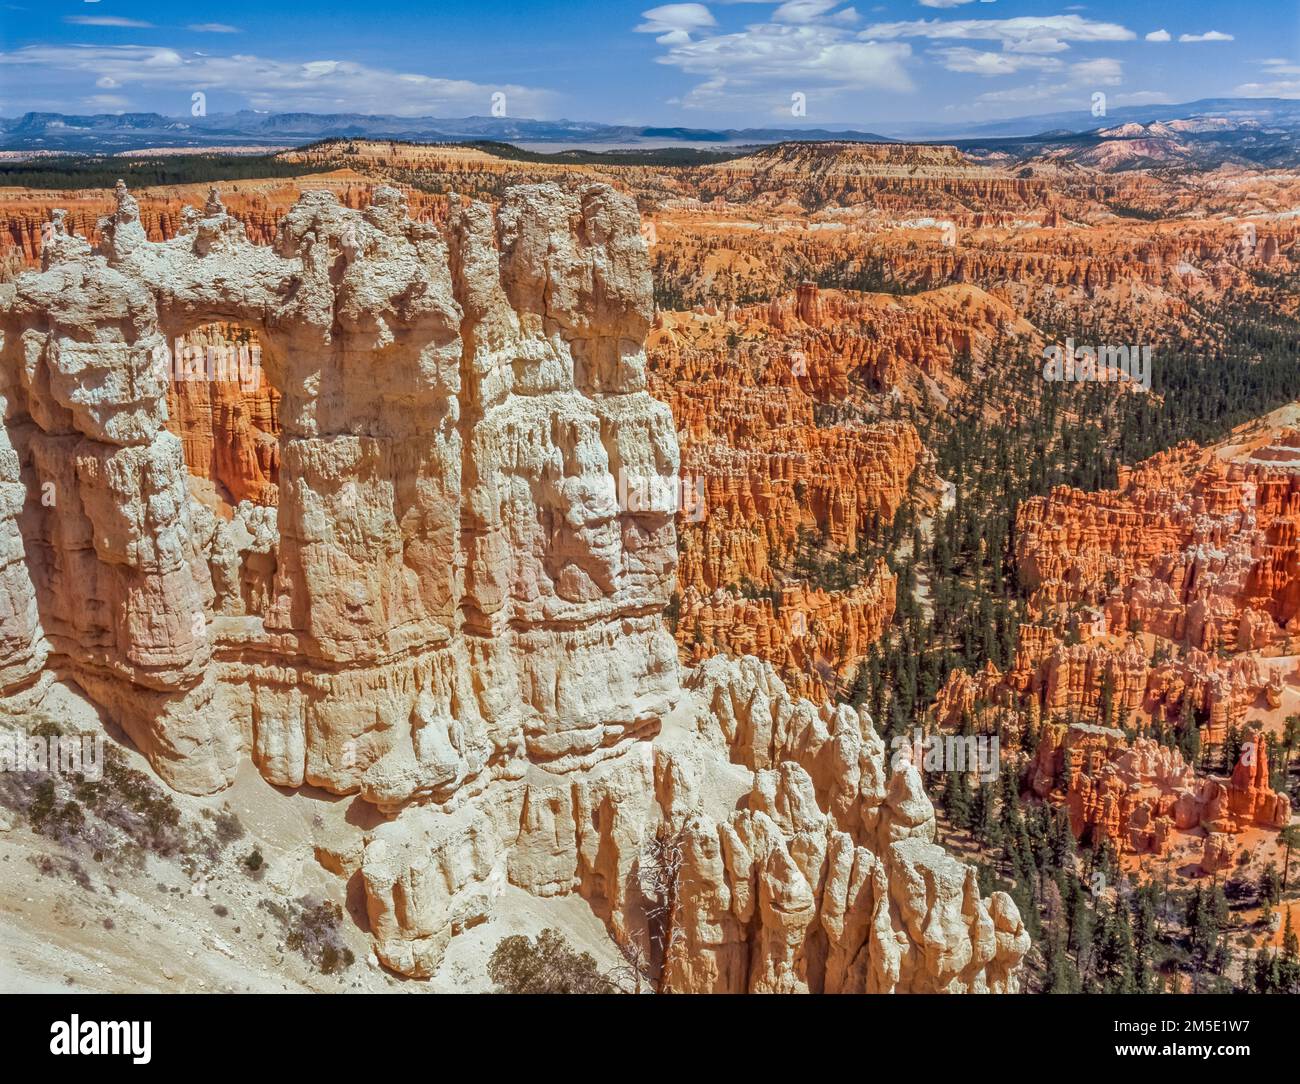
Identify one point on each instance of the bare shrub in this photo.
(312, 928)
(659, 876)
(546, 965)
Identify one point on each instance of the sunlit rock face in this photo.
(447, 586)
(448, 609)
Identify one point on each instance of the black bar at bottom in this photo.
(233, 1034)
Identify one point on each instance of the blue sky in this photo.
(722, 63)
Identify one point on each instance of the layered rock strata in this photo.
(449, 611)
(1136, 794)
(1211, 562)
(455, 586)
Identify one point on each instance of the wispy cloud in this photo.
(213, 28)
(675, 22)
(1274, 87)
(323, 85)
(1143, 97)
(812, 11)
(962, 58)
(1086, 75)
(106, 20)
(1023, 34)
(1209, 35)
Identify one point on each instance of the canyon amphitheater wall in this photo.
(449, 612)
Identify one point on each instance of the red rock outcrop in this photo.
(769, 483)
(889, 175)
(814, 637)
(879, 340)
(1211, 562)
(1052, 680)
(1136, 794)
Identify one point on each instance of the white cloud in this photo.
(1103, 71)
(810, 11)
(1274, 88)
(1209, 35)
(1083, 76)
(1023, 34)
(675, 22)
(106, 20)
(962, 58)
(805, 49)
(1159, 35)
(274, 85)
(1016, 95)
(110, 103)
(213, 28)
(1282, 88)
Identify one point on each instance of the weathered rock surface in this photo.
(828, 877)
(756, 846)
(448, 610)
(769, 480)
(455, 586)
(1134, 794)
(1112, 683)
(1211, 561)
(258, 205)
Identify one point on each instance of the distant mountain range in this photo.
(107, 133)
(1282, 112)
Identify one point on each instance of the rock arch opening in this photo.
(226, 412)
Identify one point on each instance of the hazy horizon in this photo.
(812, 63)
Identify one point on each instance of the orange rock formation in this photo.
(226, 413)
(1136, 795)
(776, 479)
(1214, 563)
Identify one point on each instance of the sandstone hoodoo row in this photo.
(776, 480)
(398, 565)
(1163, 619)
(1113, 683)
(258, 205)
(1211, 563)
(1135, 794)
